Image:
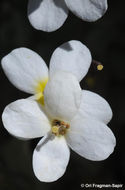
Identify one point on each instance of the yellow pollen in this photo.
(100, 67)
(55, 129)
(59, 127)
(40, 89)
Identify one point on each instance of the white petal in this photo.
(91, 139)
(24, 68)
(47, 15)
(24, 119)
(50, 158)
(72, 56)
(94, 106)
(62, 96)
(88, 10)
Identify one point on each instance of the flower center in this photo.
(59, 127)
(40, 89)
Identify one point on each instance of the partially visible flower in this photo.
(60, 110)
(49, 15)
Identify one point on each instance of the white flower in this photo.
(49, 15)
(66, 115)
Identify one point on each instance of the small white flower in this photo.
(49, 15)
(64, 114)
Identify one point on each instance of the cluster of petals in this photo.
(49, 15)
(86, 112)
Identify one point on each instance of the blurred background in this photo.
(106, 40)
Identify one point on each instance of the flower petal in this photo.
(62, 96)
(47, 15)
(90, 138)
(94, 106)
(72, 57)
(88, 10)
(24, 119)
(24, 68)
(50, 158)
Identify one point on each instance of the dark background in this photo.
(106, 40)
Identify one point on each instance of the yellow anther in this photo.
(59, 127)
(55, 130)
(99, 67)
(62, 130)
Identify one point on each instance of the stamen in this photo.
(55, 130)
(98, 65)
(62, 130)
(59, 127)
(56, 122)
